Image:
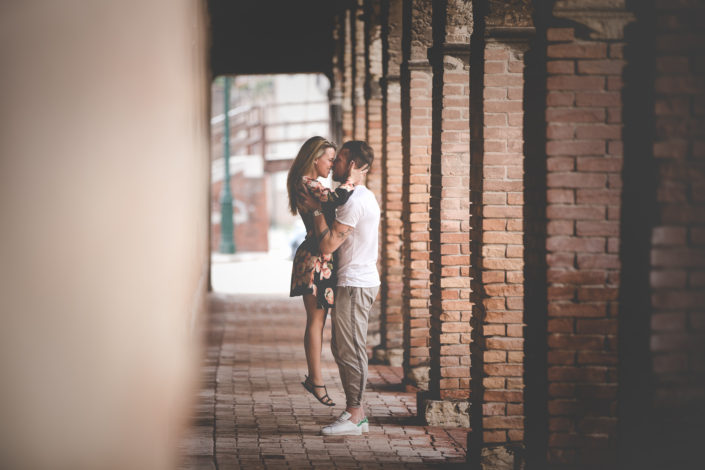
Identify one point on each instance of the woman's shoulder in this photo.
(311, 182)
(314, 186)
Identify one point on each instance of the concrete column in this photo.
(104, 183)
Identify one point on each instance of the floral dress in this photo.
(313, 272)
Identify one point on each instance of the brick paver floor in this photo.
(253, 412)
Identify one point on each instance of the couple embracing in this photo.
(335, 268)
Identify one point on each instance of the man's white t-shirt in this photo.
(357, 256)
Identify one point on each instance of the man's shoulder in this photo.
(362, 201)
(365, 202)
(362, 194)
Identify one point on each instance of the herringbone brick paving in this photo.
(253, 413)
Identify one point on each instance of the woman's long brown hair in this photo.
(310, 151)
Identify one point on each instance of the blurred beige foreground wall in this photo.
(104, 229)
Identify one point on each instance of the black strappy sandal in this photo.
(310, 387)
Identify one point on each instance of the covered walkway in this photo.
(252, 411)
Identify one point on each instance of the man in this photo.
(354, 235)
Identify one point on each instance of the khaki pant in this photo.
(349, 338)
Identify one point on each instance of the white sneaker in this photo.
(344, 427)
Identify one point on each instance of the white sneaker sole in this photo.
(357, 431)
(346, 432)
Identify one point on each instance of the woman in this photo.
(313, 274)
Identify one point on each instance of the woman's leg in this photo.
(313, 340)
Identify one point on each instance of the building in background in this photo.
(270, 117)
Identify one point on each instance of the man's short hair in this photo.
(360, 153)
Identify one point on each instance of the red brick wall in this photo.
(417, 85)
(347, 85)
(373, 136)
(502, 242)
(251, 196)
(584, 149)
(451, 194)
(678, 237)
(450, 203)
(335, 93)
(373, 102)
(428, 188)
(391, 162)
(359, 73)
(418, 273)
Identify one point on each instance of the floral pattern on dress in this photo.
(313, 272)
(337, 197)
(326, 269)
(330, 297)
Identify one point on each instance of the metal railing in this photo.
(249, 128)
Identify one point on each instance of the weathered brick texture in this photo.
(373, 136)
(677, 254)
(502, 242)
(359, 72)
(584, 162)
(450, 206)
(335, 93)
(466, 206)
(418, 266)
(373, 93)
(347, 85)
(417, 83)
(392, 236)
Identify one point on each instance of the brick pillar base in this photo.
(446, 413)
(505, 457)
(392, 356)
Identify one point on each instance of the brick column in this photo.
(499, 282)
(391, 347)
(373, 136)
(373, 93)
(451, 309)
(677, 241)
(347, 85)
(359, 71)
(416, 84)
(335, 94)
(503, 238)
(584, 149)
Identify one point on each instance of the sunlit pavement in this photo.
(255, 273)
(251, 273)
(253, 412)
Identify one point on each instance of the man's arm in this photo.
(329, 239)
